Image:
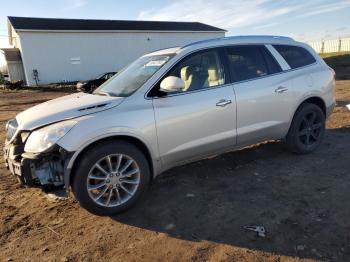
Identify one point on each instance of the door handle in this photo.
(223, 102)
(281, 89)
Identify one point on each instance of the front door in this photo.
(200, 120)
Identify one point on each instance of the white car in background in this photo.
(169, 108)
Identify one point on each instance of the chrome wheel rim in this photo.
(113, 180)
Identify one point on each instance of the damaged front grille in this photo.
(11, 128)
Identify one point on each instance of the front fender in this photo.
(70, 163)
(97, 136)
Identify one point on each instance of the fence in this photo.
(329, 46)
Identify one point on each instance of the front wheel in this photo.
(307, 129)
(111, 177)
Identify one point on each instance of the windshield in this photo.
(131, 78)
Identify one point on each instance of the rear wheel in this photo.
(111, 177)
(307, 129)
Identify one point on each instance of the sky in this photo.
(304, 20)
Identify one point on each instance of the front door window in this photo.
(200, 71)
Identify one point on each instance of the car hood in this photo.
(66, 107)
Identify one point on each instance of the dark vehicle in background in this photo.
(89, 86)
(6, 77)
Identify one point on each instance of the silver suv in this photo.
(168, 108)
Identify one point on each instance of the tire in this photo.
(123, 190)
(307, 129)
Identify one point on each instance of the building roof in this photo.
(58, 24)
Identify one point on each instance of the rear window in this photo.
(295, 56)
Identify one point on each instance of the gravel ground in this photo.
(196, 212)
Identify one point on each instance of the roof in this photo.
(165, 51)
(249, 39)
(58, 24)
(245, 39)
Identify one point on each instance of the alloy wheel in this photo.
(310, 129)
(113, 180)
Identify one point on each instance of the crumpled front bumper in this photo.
(44, 170)
(19, 168)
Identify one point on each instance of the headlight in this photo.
(11, 128)
(44, 138)
(8, 124)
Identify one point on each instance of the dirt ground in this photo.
(196, 212)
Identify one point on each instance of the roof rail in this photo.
(286, 38)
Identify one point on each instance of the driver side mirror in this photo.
(172, 84)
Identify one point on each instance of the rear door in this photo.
(201, 119)
(263, 94)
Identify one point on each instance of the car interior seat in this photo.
(213, 77)
(186, 76)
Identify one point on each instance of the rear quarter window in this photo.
(295, 56)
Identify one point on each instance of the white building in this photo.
(62, 50)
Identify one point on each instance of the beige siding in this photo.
(15, 38)
(70, 56)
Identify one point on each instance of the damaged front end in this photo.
(45, 169)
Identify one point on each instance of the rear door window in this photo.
(249, 62)
(295, 56)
